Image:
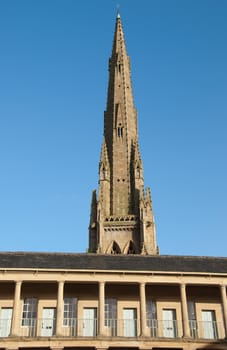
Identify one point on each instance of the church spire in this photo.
(123, 222)
(118, 12)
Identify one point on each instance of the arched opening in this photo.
(120, 130)
(114, 248)
(130, 248)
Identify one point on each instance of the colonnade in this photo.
(101, 308)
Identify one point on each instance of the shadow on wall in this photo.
(219, 345)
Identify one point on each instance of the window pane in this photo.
(70, 311)
(29, 311)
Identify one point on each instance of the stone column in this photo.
(101, 309)
(224, 306)
(143, 315)
(184, 307)
(60, 308)
(16, 319)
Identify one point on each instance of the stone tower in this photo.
(121, 220)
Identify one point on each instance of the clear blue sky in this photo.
(53, 82)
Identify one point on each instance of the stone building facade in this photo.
(122, 294)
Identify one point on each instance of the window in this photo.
(152, 322)
(111, 314)
(129, 322)
(169, 323)
(192, 319)
(131, 248)
(115, 248)
(209, 324)
(120, 131)
(29, 314)
(70, 311)
(5, 321)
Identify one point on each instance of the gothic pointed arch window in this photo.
(131, 248)
(113, 248)
(120, 130)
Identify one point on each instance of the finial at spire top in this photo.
(118, 11)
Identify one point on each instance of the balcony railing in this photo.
(89, 327)
(206, 329)
(45, 327)
(73, 327)
(164, 328)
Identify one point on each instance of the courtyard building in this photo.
(121, 294)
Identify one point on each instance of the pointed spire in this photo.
(119, 41)
(118, 12)
(122, 209)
